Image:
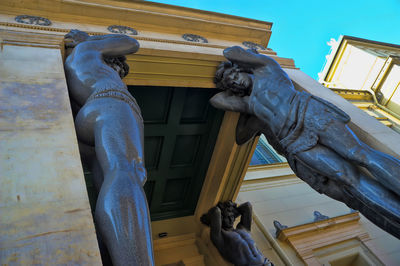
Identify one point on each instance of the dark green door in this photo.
(180, 131)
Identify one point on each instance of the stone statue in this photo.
(111, 121)
(234, 244)
(311, 133)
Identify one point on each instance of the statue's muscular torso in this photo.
(88, 73)
(271, 96)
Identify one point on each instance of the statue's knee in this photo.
(349, 174)
(101, 213)
(134, 170)
(359, 154)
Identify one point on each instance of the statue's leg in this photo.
(329, 164)
(384, 167)
(122, 214)
(344, 182)
(98, 176)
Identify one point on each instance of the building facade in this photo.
(366, 73)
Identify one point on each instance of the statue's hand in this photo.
(228, 101)
(74, 37)
(70, 43)
(246, 58)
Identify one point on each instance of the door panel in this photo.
(180, 130)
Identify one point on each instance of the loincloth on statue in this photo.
(308, 116)
(293, 136)
(119, 94)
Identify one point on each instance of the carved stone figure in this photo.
(311, 133)
(111, 121)
(234, 244)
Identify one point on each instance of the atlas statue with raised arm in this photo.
(110, 121)
(235, 244)
(311, 133)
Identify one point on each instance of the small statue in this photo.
(111, 121)
(311, 133)
(234, 244)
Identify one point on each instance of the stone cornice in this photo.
(145, 16)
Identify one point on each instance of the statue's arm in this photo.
(246, 211)
(113, 45)
(216, 227)
(246, 58)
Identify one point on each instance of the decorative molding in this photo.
(276, 170)
(35, 27)
(194, 38)
(31, 39)
(359, 95)
(254, 46)
(286, 63)
(307, 238)
(305, 230)
(269, 182)
(33, 20)
(140, 38)
(122, 30)
(253, 168)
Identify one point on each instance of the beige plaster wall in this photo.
(289, 201)
(387, 246)
(44, 210)
(292, 202)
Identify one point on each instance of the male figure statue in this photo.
(234, 244)
(311, 133)
(110, 120)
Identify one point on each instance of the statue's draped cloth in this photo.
(300, 130)
(120, 94)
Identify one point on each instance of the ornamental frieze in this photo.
(33, 20)
(194, 38)
(122, 30)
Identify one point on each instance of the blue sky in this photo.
(301, 29)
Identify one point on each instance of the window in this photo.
(265, 154)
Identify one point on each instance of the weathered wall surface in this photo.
(44, 210)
